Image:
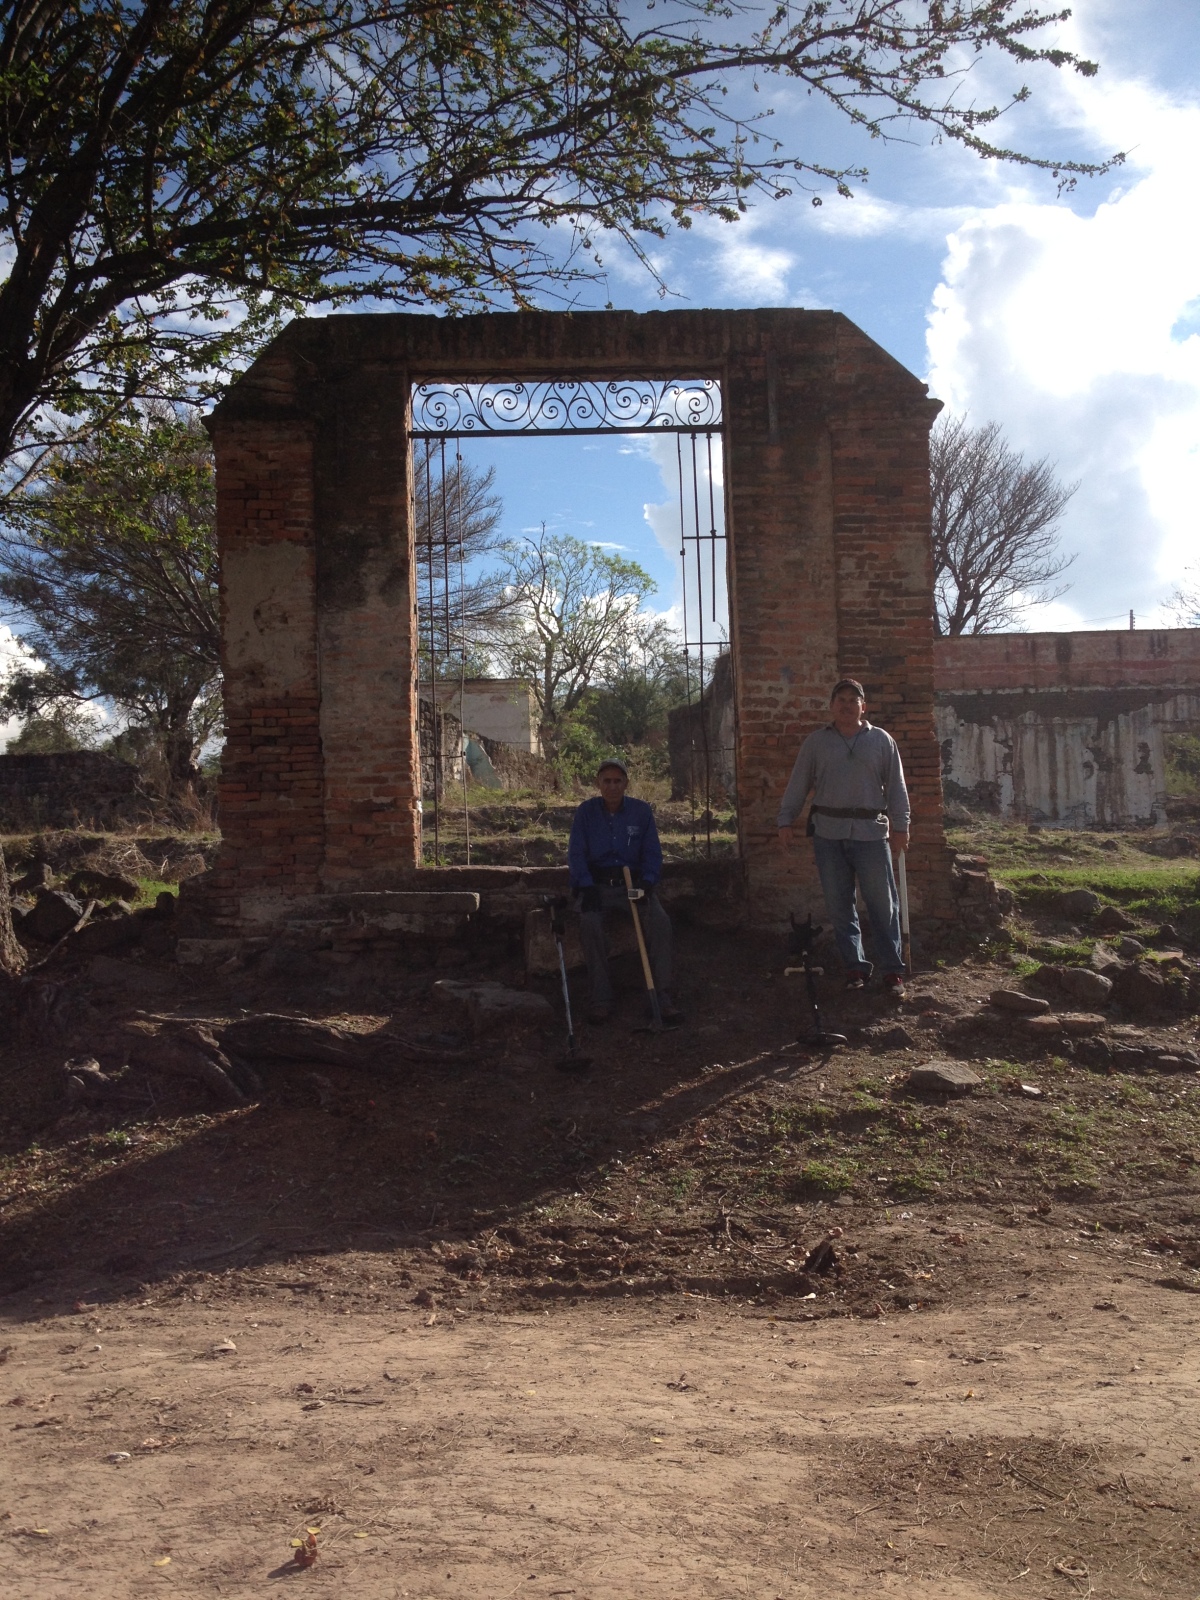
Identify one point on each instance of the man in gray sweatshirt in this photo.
(860, 807)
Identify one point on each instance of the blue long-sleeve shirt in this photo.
(601, 838)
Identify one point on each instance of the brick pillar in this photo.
(271, 771)
(367, 631)
(783, 614)
(884, 567)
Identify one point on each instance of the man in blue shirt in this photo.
(610, 832)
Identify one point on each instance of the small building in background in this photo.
(1067, 730)
(502, 709)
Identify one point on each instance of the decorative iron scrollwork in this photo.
(618, 405)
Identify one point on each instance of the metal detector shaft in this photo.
(647, 973)
(905, 934)
(562, 968)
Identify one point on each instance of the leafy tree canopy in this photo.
(108, 573)
(177, 175)
(573, 610)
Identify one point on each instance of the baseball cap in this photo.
(848, 683)
(612, 761)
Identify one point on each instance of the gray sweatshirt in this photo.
(862, 772)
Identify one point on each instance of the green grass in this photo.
(149, 890)
(823, 1177)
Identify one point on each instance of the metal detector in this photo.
(800, 943)
(572, 1061)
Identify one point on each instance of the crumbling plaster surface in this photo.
(1066, 730)
(269, 615)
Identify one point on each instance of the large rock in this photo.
(1139, 988)
(1103, 959)
(1088, 987)
(102, 885)
(1113, 920)
(55, 914)
(944, 1077)
(39, 876)
(491, 1007)
(1023, 1005)
(1079, 903)
(1081, 1024)
(107, 936)
(1047, 1027)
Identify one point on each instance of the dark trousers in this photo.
(657, 927)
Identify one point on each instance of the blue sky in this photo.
(1074, 321)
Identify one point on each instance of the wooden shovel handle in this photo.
(637, 928)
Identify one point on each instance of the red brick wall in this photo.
(270, 792)
(1115, 659)
(826, 484)
(885, 608)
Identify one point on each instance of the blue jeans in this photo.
(840, 862)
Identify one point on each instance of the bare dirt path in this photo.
(1036, 1444)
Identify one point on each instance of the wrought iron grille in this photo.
(616, 405)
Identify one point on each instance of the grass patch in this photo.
(149, 890)
(822, 1178)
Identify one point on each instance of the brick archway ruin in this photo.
(827, 506)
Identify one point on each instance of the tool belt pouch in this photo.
(857, 813)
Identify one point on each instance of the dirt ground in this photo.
(1031, 1445)
(500, 1329)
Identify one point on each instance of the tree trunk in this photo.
(179, 748)
(12, 955)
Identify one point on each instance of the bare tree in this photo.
(1185, 600)
(573, 606)
(995, 528)
(460, 604)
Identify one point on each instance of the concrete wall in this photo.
(1064, 729)
(706, 728)
(827, 512)
(68, 789)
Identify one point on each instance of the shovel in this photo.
(656, 1023)
(905, 935)
(572, 1061)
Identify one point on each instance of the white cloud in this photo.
(10, 653)
(864, 217)
(1072, 332)
(694, 593)
(750, 271)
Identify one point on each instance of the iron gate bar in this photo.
(699, 642)
(462, 645)
(691, 406)
(553, 408)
